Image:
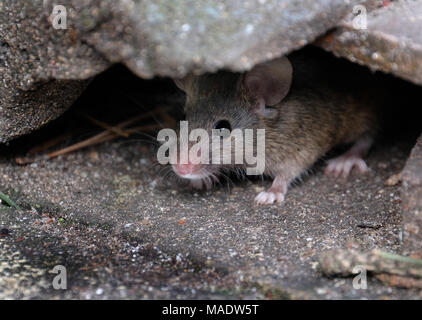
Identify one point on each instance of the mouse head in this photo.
(227, 101)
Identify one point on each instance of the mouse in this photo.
(307, 103)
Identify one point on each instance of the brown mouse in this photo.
(307, 104)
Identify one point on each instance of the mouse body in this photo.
(305, 106)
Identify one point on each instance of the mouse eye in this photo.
(224, 126)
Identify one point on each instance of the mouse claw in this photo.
(343, 165)
(268, 197)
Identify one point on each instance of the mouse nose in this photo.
(184, 169)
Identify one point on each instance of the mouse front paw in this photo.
(269, 197)
(343, 165)
(275, 194)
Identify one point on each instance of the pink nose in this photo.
(184, 169)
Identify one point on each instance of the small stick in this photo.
(106, 126)
(24, 160)
(144, 128)
(48, 144)
(100, 138)
(107, 135)
(399, 281)
(140, 117)
(167, 118)
(342, 262)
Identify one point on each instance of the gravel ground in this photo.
(124, 230)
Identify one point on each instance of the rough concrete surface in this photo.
(166, 38)
(34, 58)
(123, 229)
(412, 201)
(391, 42)
(23, 111)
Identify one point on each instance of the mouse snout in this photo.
(188, 168)
(191, 168)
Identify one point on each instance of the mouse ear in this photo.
(269, 82)
(180, 83)
(185, 83)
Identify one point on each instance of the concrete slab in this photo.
(412, 201)
(150, 37)
(391, 42)
(23, 111)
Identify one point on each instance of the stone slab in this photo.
(391, 42)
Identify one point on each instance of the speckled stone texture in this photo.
(132, 232)
(37, 64)
(412, 201)
(22, 111)
(166, 38)
(391, 43)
